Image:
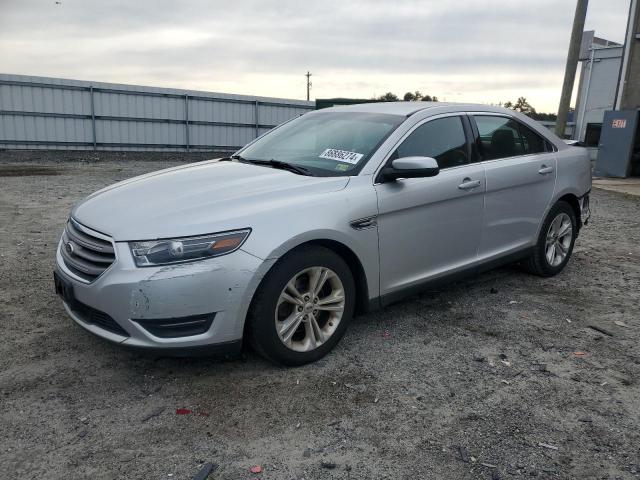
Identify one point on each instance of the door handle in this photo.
(468, 184)
(544, 170)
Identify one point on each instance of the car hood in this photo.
(195, 199)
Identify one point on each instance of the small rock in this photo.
(153, 413)
(463, 453)
(478, 358)
(328, 465)
(357, 387)
(546, 445)
(540, 367)
(472, 416)
(493, 290)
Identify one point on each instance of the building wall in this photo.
(597, 89)
(50, 113)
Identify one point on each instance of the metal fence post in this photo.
(186, 120)
(256, 108)
(93, 118)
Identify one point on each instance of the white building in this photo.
(599, 75)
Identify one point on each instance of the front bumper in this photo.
(221, 287)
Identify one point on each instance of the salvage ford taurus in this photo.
(338, 211)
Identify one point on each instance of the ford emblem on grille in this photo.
(70, 247)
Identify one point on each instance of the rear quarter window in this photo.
(504, 137)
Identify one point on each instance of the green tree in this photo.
(523, 106)
(413, 97)
(388, 97)
(417, 97)
(408, 97)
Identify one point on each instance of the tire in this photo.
(314, 329)
(539, 262)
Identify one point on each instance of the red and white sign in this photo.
(619, 123)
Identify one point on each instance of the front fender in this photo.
(362, 243)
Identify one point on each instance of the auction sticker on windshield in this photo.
(341, 155)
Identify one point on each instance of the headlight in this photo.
(179, 250)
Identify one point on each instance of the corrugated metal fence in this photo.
(50, 113)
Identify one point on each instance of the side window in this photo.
(533, 142)
(443, 139)
(499, 137)
(502, 137)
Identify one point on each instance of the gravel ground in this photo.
(480, 379)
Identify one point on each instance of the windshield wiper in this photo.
(290, 166)
(277, 164)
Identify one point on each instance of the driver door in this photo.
(431, 226)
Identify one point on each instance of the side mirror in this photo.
(411, 167)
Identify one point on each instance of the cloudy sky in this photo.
(465, 50)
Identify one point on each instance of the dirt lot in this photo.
(477, 380)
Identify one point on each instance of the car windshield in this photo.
(325, 143)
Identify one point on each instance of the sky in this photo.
(484, 51)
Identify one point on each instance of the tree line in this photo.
(408, 97)
(520, 105)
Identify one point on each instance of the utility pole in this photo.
(572, 66)
(308, 75)
(628, 94)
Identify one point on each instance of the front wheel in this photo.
(555, 241)
(302, 307)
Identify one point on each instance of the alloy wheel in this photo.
(309, 308)
(558, 240)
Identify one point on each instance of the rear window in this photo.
(503, 137)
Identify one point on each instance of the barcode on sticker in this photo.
(341, 155)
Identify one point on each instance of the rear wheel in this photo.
(303, 306)
(555, 241)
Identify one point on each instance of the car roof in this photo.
(409, 108)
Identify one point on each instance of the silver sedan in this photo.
(339, 211)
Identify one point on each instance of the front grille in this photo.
(86, 254)
(95, 317)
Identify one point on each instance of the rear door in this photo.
(520, 167)
(430, 226)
